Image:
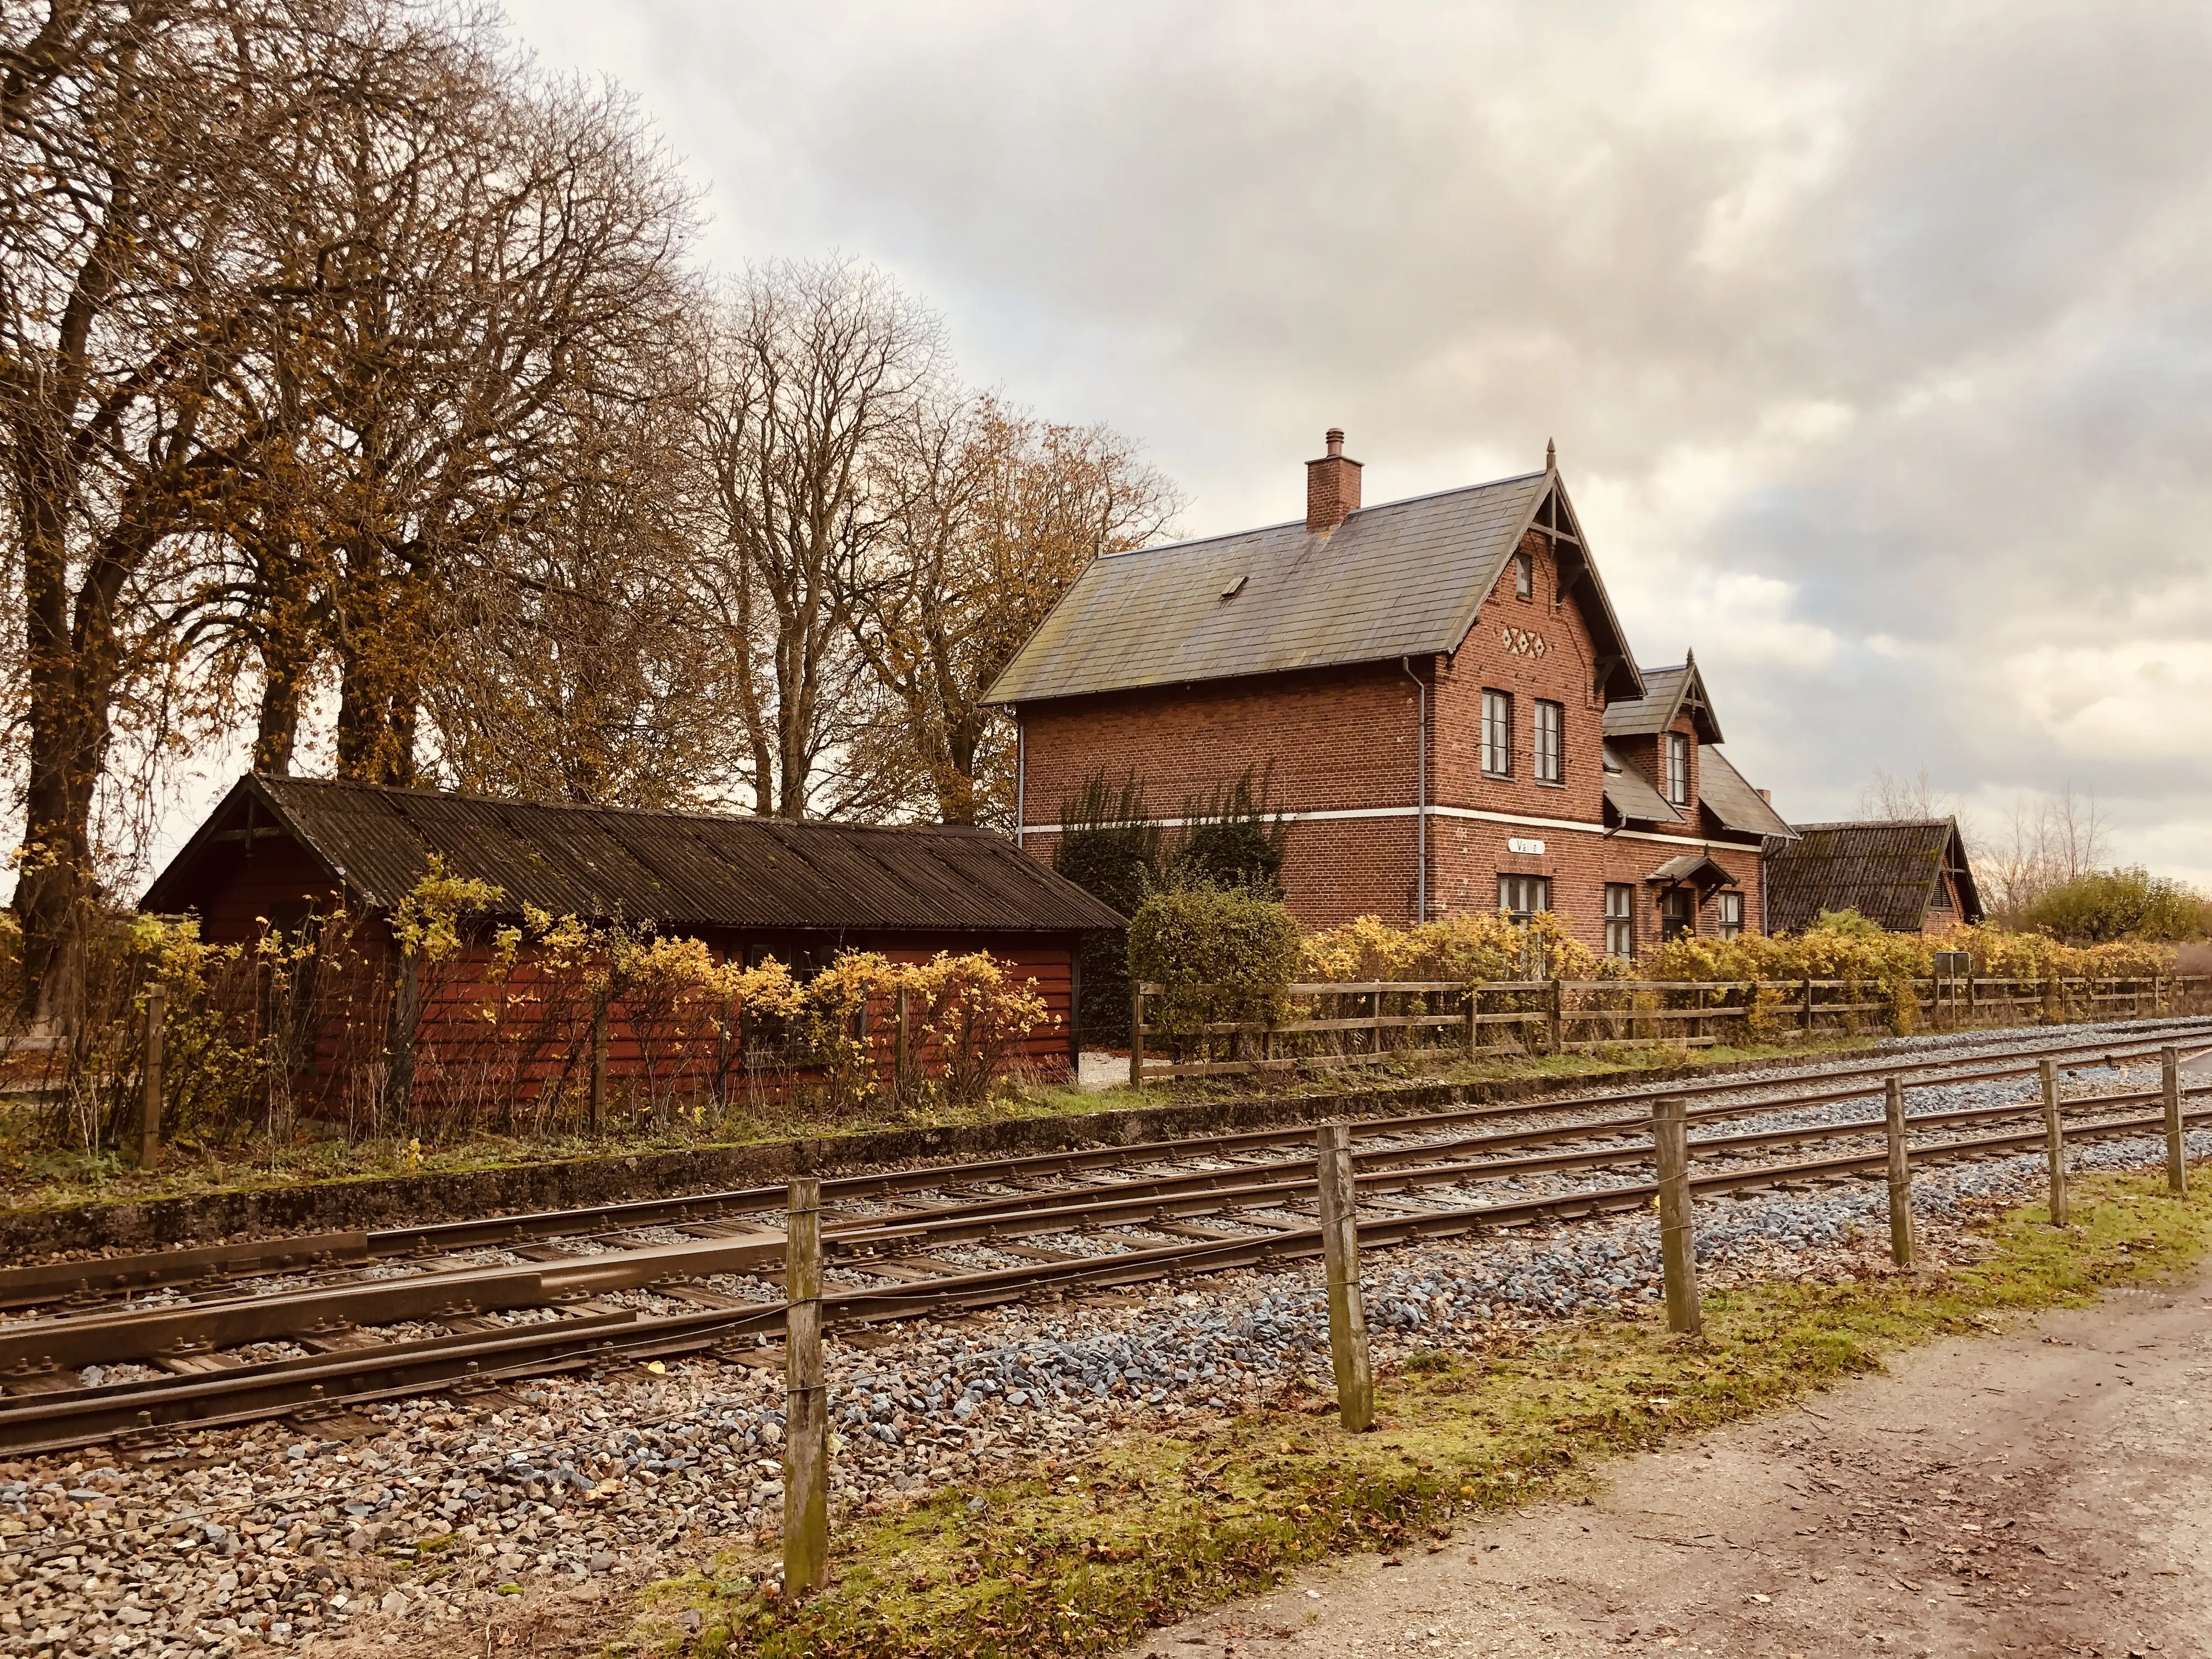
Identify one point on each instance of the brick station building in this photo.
(1441, 695)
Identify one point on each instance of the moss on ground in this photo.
(36, 1176)
(1078, 1558)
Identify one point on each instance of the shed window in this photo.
(1522, 897)
(1728, 915)
(1550, 719)
(1497, 733)
(1943, 899)
(1524, 576)
(1619, 919)
(1678, 769)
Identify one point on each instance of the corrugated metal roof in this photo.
(1630, 793)
(682, 871)
(1402, 579)
(1886, 871)
(1723, 792)
(1665, 691)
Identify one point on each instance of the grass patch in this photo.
(1078, 1559)
(35, 1174)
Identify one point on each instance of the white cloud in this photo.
(1876, 340)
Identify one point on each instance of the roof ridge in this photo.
(1293, 524)
(405, 792)
(1879, 824)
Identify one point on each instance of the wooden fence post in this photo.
(406, 1014)
(150, 1105)
(806, 1401)
(1900, 1175)
(1136, 1034)
(1473, 996)
(1670, 1143)
(901, 1058)
(1807, 1014)
(1556, 1024)
(2054, 1140)
(2176, 1141)
(1347, 1307)
(598, 1100)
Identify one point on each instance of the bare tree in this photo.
(808, 377)
(2045, 843)
(584, 666)
(133, 135)
(996, 512)
(1893, 799)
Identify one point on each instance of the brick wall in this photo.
(1345, 739)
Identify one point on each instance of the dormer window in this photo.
(1524, 576)
(1678, 769)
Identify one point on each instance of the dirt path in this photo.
(2046, 1492)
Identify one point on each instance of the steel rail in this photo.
(32, 1348)
(209, 1269)
(146, 1413)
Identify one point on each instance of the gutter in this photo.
(1420, 790)
(1021, 777)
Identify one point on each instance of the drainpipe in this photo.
(1021, 777)
(1420, 790)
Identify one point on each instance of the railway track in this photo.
(312, 1326)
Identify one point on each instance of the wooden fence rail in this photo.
(1371, 1023)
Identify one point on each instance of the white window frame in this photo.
(1620, 919)
(1497, 734)
(1678, 769)
(1511, 888)
(1548, 758)
(1728, 914)
(1524, 576)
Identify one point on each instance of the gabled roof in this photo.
(682, 871)
(1733, 803)
(1403, 578)
(1666, 693)
(1630, 793)
(1698, 869)
(1886, 872)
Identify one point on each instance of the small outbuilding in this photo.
(279, 852)
(1910, 877)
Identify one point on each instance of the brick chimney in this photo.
(1332, 486)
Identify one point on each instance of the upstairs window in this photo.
(1497, 734)
(1551, 723)
(1524, 577)
(1728, 915)
(1619, 919)
(1522, 897)
(1678, 769)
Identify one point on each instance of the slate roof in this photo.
(1630, 793)
(1722, 792)
(1886, 871)
(682, 871)
(1665, 691)
(1402, 579)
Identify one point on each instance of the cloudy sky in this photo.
(1876, 340)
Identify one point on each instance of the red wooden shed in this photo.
(280, 850)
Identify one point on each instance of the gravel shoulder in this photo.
(2044, 1490)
